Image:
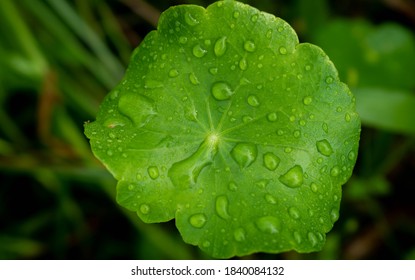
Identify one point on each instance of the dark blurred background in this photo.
(59, 58)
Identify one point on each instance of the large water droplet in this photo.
(324, 147)
(253, 101)
(239, 235)
(153, 172)
(249, 46)
(220, 46)
(190, 19)
(244, 154)
(222, 205)
(293, 178)
(268, 224)
(271, 161)
(199, 51)
(139, 108)
(198, 220)
(221, 91)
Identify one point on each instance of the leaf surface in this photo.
(226, 123)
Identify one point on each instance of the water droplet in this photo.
(272, 117)
(254, 18)
(213, 70)
(312, 238)
(130, 187)
(151, 84)
(190, 19)
(110, 153)
(182, 40)
(253, 101)
(247, 119)
(145, 209)
(193, 79)
(221, 91)
(239, 235)
(222, 205)
(270, 199)
(153, 172)
(294, 213)
(262, 183)
(236, 14)
(139, 108)
(314, 187)
(325, 127)
(220, 46)
(249, 46)
(114, 94)
(199, 51)
(232, 186)
(271, 161)
(173, 73)
(293, 178)
(297, 237)
(283, 50)
(324, 147)
(269, 34)
(334, 215)
(268, 224)
(352, 155)
(244, 154)
(243, 64)
(335, 171)
(280, 132)
(347, 117)
(288, 150)
(307, 100)
(308, 67)
(297, 134)
(329, 79)
(198, 220)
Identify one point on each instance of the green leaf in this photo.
(226, 123)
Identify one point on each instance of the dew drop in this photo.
(198, 220)
(236, 14)
(190, 19)
(243, 64)
(173, 73)
(145, 209)
(268, 224)
(193, 79)
(239, 235)
(213, 70)
(335, 171)
(222, 205)
(221, 91)
(308, 67)
(220, 46)
(232, 186)
(130, 187)
(269, 34)
(254, 18)
(244, 154)
(153, 172)
(334, 215)
(293, 178)
(151, 84)
(314, 187)
(128, 104)
(283, 50)
(272, 117)
(329, 79)
(307, 100)
(294, 213)
(297, 134)
(271, 161)
(249, 46)
(114, 95)
(253, 101)
(347, 117)
(312, 238)
(352, 155)
(110, 153)
(182, 40)
(270, 199)
(199, 51)
(325, 127)
(297, 237)
(324, 147)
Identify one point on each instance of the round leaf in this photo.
(226, 123)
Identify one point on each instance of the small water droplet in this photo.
(288, 150)
(193, 79)
(293, 178)
(130, 187)
(236, 14)
(312, 238)
(270, 199)
(198, 220)
(335, 171)
(334, 215)
(182, 40)
(199, 51)
(239, 235)
(325, 127)
(232, 186)
(153, 172)
(145, 209)
(297, 134)
(269, 34)
(110, 153)
(347, 117)
(220, 46)
(244, 154)
(297, 237)
(247, 119)
(254, 18)
(308, 67)
(213, 70)
(307, 100)
(271, 161)
(329, 79)
(151, 84)
(324, 147)
(272, 117)
(280, 132)
(283, 50)
(262, 183)
(243, 64)
(314, 187)
(222, 205)
(268, 224)
(253, 101)
(352, 156)
(249, 46)
(114, 94)
(221, 91)
(190, 19)
(294, 213)
(173, 73)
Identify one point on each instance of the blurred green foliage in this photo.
(59, 58)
